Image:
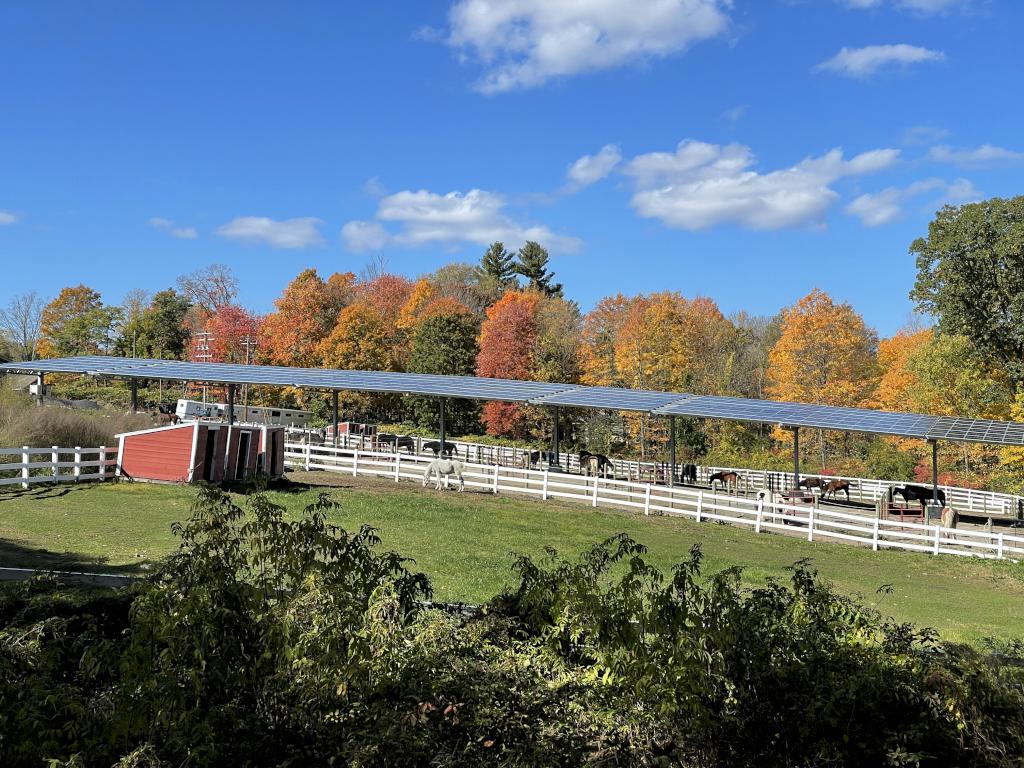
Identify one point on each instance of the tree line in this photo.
(507, 317)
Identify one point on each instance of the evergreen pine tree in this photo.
(533, 265)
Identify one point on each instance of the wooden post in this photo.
(103, 462)
(647, 499)
(938, 535)
(700, 504)
(25, 472)
(78, 462)
(760, 515)
(999, 546)
(810, 524)
(398, 464)
(54, 462)
(495, 480)
(307, 452)
(593, 497)
(355, 462)
(544, 488)
(874, 536)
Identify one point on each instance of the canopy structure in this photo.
(669, 404)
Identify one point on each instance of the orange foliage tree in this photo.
(825, 355)
(360, 341)
(233, 335)
(306, 314)
(507, 341)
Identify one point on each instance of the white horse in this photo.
(446, 468)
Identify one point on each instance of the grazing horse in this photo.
(918, 493)
(595, 464)
(531, 458)
(811, 482)
(396, 441)
(446, 468)
(435, 446)
(832, 486)
(725, 478)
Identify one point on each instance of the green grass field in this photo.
(463, 541)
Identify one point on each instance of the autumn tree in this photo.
(77, 323)
(230, 336)
(508, 338)
(306, 314)
(532, 264)
(20, 323)
(445, 342)
(970, 276)
(360, 340)
(825, 355)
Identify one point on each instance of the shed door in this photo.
(242, 458)
(209, 457)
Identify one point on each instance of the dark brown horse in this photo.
(811, 482)
(918, 493)
(165, 419)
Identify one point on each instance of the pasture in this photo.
(463, 541)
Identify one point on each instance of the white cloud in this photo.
(866, 61)
(289, 234)
(6, 217)
(424, 217)
(880, 208)
(702, 185)
(166, 225)
(524, 43)
(986, 154)
(923, 134)
(923, 7)
(592, 168)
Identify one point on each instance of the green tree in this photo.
(970, 275)
(77, 323)
(446, 344)
(160, 330)
(533, 265)
(499, 265)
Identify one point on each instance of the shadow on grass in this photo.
(40, 492)
(16, 555)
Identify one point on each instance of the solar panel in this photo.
(913, 425)
(611, 398)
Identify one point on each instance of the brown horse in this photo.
(595, 464)
(165, 419)
(832, 486)
(725, 478)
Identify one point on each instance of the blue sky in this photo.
(747, 151)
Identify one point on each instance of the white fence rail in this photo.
(814, 523)
(27, 466)
(862, 489)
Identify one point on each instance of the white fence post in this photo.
(647, 500)
(810, 524)
(25, 472)
(544, 488)
(874, 537)
(398, 463)
(593, 496)
(307, 452)
(760, 514)
(103, 462)
(999, 546)
(494, 485)
(54, 461)
(938, 534)
(700, 503)
(355, 462)
(78, 462)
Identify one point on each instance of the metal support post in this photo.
(442, 427)
(334, 415)
(672, 451)
(554, 441)
(134, 386)
(231, 404)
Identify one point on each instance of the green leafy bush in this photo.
(273, 642)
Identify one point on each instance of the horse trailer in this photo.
(194, 410)
(197, 451)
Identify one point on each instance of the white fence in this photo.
(760, 515)
(862, 489)
(55, 465)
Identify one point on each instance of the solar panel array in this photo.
(547, 394)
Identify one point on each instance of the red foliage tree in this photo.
(507, 343)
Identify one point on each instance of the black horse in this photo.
(435, 446)
(532, 458)
(919, 493)
(397, 441)
(688, 473)
(811, 482)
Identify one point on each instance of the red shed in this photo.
(195, 451)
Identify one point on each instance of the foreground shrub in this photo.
(270, 642)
